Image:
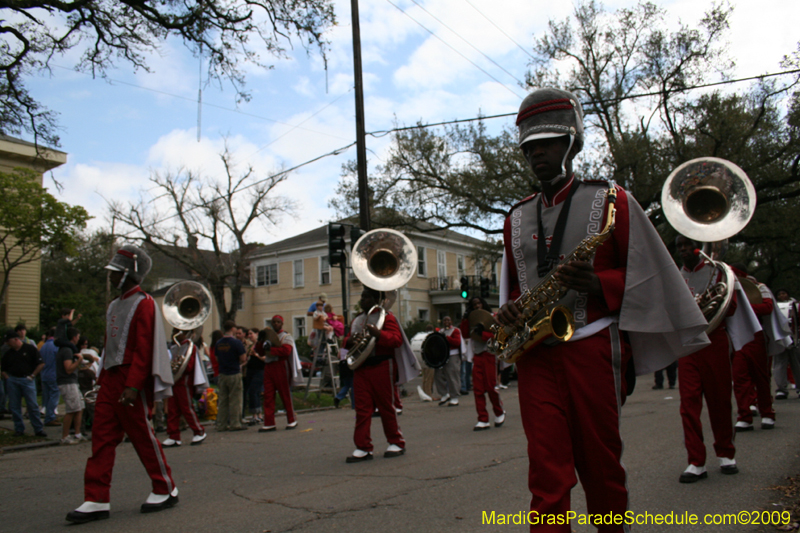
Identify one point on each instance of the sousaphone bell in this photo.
(709, 200)
(187, 305)
(385, 260)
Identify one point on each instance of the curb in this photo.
(31, 446)
(45, 444)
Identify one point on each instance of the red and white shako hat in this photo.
(132, 260)
(547, 113)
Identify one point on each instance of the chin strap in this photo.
(122, 281)
(563, 174)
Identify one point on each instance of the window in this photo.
(298, 273)
(422, 269)
(441, 263)
(478, 272)
(494, 272)
(324, 271)
(423, 315)
(460, 265)
(267, 275)
(299, 327)
(238, 303)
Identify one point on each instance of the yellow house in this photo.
(24, 290)
(287, 277)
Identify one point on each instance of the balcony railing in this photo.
(453, 283)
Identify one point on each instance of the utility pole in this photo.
(361, 142)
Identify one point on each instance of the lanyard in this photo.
(548, 259)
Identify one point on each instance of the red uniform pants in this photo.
(181, 404)
(276, 379)
(707, 373)
(484, 379)
(570, 396)
(112, 421)
(752, 381)
(374, 387)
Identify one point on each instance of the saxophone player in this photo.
(571, 392)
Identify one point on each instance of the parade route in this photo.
(298, 480)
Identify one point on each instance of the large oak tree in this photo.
(105, 33)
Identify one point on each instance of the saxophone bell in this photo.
(555, 322)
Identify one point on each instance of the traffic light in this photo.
(465, 287)
(485, 285)
(335, 244)
(355, 234)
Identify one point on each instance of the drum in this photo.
(435, 350)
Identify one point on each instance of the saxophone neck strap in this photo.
(548, 257)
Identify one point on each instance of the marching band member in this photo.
(448, 378)
(135, 371)
(571, 393)
(484, 371)
(788, 308)
(374, 379)
(282, 362)
(192, 381)
(751, 365)
(707, 373)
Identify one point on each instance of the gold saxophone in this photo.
(541, 317)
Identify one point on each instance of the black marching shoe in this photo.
(89, 512)
(359, 458)
(171, 501)
(77, 517)
(693, 473)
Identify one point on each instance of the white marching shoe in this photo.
(171, 443)
(422, 396)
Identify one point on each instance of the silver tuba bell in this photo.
(710, 200)
(186, 306)
(384, 260)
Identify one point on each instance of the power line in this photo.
(522, 84)
(500, 29)
(194, 101)
(382, 133)
(453, 49)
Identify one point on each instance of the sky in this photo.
(120, 131)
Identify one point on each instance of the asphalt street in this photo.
(298, 480)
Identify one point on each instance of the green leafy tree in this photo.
(103, 33)
(78, 281)
(33, 219)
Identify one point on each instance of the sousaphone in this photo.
(710, 200)
(384, 260)
(187, 305)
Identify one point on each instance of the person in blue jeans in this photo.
(50, 393)
(20, 366)
(345, 382)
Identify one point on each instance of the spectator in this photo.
(19, 367)
(87, 376)
(216, 335)
(317, 311)
(50, 394)
(254, 380)
(64, 323)
(22, 332)
(68, 361)
(231, 355)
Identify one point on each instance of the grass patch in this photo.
(7, 438)
(315, 400)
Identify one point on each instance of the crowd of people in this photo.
(62, 367)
